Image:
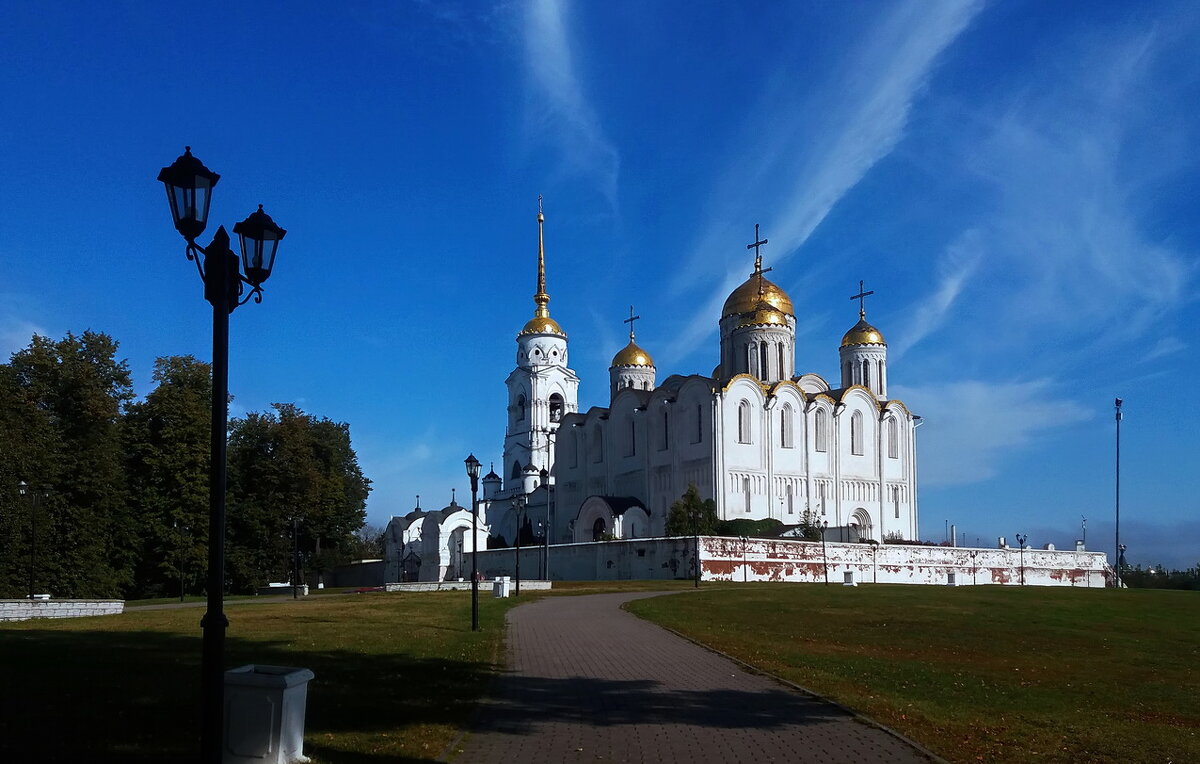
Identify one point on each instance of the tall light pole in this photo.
(518, 510)
(824, 556)
(472, 473)
(1021, 539)
(23, 488)
(189, 186)
(295, 558)
(1117, 542)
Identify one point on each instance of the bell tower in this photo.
(542, 389)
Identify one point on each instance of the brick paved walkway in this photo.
(587, 681)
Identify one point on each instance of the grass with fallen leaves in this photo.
(976, 673)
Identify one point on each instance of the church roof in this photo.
(620, 504)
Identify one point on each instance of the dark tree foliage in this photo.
(690, 515)
(767, 528)
(1158, 577)
(62, 404)
(167, 458)
(282, 465)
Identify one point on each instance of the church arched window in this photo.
(597, 444)
(791, 508)
(821, 430)
(785, 426)
(783, 372)
(743, 422)
(520, 412)
(856, 433)
(632, 450)
(893, 435)
(516, 471)
(665, 443)
(699, 424)
(764, 372)
(556, 407)
(866, 378)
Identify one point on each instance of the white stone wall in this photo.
(734, 559)
(24, 609)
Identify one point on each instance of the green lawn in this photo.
(976, 673)
(397, 676)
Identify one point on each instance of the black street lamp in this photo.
(824, 556)
(473, 473)
(24, 488)
(179, 555)
(189, 186)
(1021, 539)
(519, 502)
(295, 558)
(974, 566)
(546, 527)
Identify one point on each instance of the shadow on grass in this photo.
(133, 696)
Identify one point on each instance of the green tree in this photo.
(690, 515)
(64, 401)
(167, 463)
(287, 464)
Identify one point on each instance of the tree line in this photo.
(115, 501)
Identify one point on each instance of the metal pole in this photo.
(217, 267)
(179, 556)
(32, 541)
(474, 553)
(1117, 542)
(295, 558)
(824, 555)
(517, 593)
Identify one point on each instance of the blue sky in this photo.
(1017, 181)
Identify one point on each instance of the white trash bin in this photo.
(264, 714)
(501, 587)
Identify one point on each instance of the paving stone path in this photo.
(587, 681)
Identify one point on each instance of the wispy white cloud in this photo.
(15, 334)
(561, 112)
(1065, 250)
(808, 159)
(1164, 347)
(972, 426)
(955, 267)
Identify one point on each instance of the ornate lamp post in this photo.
(473, 473)
(974, 566)
(24, 488)
(824, 556)
(1021, 539)
(189, 186)
(518, 510)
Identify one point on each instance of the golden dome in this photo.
(862, 333)
(746, 298)
(765, 313)
(632, 355)
(542, 325)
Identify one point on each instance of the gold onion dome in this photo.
(542, 325)
(750, 296)
(862, 333)
(764, 313)
(632, 355)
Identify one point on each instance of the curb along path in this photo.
(586, 681)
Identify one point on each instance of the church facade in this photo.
(757, 437)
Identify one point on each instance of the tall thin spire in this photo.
(540, 297)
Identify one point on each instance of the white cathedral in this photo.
(757, 438)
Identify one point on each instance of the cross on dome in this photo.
(862, 299)
(630, 321)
